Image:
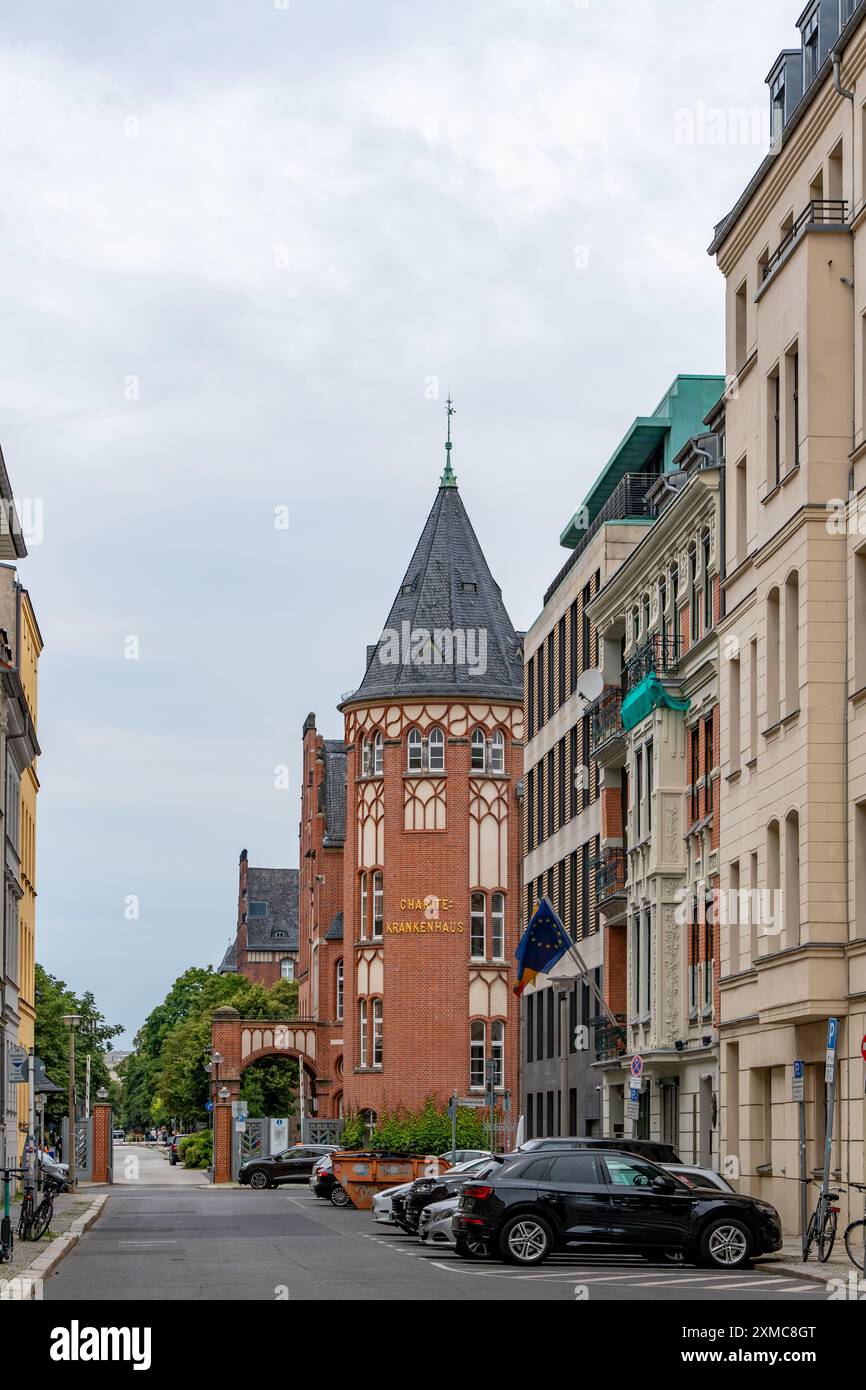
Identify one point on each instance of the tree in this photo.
(94, 1035)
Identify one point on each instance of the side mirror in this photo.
(663, 1185)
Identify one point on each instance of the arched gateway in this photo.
(240, 1041)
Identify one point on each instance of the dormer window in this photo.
(469, 586)
(845, 10)
(258, 909)
(810, 48)
(408, 588)
(777, 106)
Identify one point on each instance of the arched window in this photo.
(708, 585)
(363, 910)
(369, 1117)
(377, 1032)
(694, 599)
(478, 926)
(773, 926)
(497, 752)
(497, 923)
(436, 750)
(415, 746)
(477, 1047)
(366, 758)
(377, 753)
(792, 643)
(774, 650)
(645, 609)
(339, 1000)
(792, 879)
(378, 905)
(363, 1038)
(497, 1047)
(479, 750)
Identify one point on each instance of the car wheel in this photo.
(726, 1244)
(471, 1248)
(526, 1240)
(259, 1179)
(339, 1197)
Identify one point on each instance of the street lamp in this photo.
(71, 1021)
(102, 1094)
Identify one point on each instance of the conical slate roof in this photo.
(448, 635)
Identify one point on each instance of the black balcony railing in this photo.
(610, 1038)
(610, 873)
(659, 656)
(627, 499)
(831, 211)
(605, 721)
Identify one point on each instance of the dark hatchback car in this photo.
(425, 1191)
(289, 1166)
(609, 1200)
(645, 1148)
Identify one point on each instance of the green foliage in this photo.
(93, 1036)
(424, 1131)
(196, 1150)
(166, 1079)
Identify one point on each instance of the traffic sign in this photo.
(208, 1105)
(472, 1102)
(634, 1094)
(799, 1081)
(636, 1066)
(17, 1064)
(632, 1110)
(832, 1039)
(863, 1049)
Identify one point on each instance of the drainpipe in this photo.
(849, 96)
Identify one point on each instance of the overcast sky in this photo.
(243, 242)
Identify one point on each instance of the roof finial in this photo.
(449, 478)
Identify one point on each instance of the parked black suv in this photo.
(610, 1200)
(646, 1148)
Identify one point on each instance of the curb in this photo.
(797, 1271)
(46, 1262)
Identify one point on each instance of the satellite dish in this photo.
(590, 685)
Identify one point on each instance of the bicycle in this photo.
(41, 1217)
(7, 1239)
(855, 1234)
(823, 1225)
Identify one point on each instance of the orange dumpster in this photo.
(364, 1174)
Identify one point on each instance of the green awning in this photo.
(646, 697)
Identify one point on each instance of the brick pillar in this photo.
(102, 1142)
(225, 1039)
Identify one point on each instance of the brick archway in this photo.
(242, 1041)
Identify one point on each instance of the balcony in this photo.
(832, 212)
(611, 1041)
(660, 656)
(605, 721)
(610, 882)
(628, 499)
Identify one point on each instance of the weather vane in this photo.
(450, 411)
(448, 478)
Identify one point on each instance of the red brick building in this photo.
(265, 947)
(434, 762)
(407, 895)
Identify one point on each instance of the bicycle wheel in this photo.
(25, 1220)
(42, 1218)
(855, 1243)
(7, 1240)
(811, 1233)
(827, 1235)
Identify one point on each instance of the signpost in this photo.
(798, 1090)
(830, 1076)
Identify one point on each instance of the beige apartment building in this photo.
(793, 634)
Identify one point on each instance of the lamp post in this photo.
(71, 1021)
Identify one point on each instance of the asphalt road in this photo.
(164, 1236)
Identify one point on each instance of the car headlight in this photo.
(765, 1206)
(425, 1187)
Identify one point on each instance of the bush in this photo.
(196, 1150)
(424, 1131)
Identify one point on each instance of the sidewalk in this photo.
(789, 1260)
(33, 1261)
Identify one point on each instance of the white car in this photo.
(435, 1222)
(702, 1179)
(382, 1203)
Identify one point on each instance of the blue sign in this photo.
(832, 1034)
(799, 1071)
(635, 1094)
(209, 1105)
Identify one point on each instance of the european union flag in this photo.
(544, 942)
